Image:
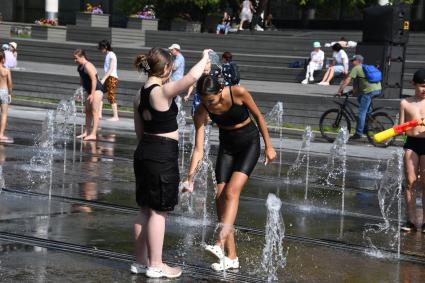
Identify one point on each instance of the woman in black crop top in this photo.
(156, 157)
(92, 86)
(231, 108)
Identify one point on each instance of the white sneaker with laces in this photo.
(304, 82)
(215, 250)
(138, 268)
(163, 271)
(227, 263)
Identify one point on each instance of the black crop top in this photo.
(162, 121)
(235, 115)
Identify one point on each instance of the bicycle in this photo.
(333, 119)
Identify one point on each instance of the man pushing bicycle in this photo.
(366, 85)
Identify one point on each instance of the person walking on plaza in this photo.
(110, 79)
(317, 57)
(230, 70)
(156, 165)
(365, 91)
(13, 46)
(230, 108)
(5, 97)
(93, 87)
(413, 108)
(179, 62)
(246, 13)
(339, 65)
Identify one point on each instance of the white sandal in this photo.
(215, 250)
(225, 264)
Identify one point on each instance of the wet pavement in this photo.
(83, 233)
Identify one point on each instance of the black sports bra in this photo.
(162, 121)
(235, 115)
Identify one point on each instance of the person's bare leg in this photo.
(115, 117)
(325, 77)
(4, 108)
(231, 193)
(422, 170)
(330, 75)
(95, 114)
(88, 121)
(140, 236)
(411, 163)
(100, 109)
(155, 237)
(241, 24)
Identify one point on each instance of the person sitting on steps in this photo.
(317, 57)
(339, 65)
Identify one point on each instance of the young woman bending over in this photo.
(230, 108)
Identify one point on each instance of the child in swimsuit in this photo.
(414, 159)
(5, 96)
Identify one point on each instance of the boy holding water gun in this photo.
(413, 108)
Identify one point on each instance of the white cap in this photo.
(174, 46)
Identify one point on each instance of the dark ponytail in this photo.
(104, 44)
(207, 85)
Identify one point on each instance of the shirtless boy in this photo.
(5, 96)
(414, 159)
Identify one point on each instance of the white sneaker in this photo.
(258, 28)
(227, 263)
(215, 250)
(138, 268)
(304, 82)
(311, 79)
(163, 271)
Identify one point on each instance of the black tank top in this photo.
(86, 80)
(162, 121)
(235, 115)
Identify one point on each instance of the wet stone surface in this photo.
(93, 206)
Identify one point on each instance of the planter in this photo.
(92, 20)
(142, 24)
(50, 33)
(186, 26)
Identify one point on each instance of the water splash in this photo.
(294, 172)
(214, 59)
(274, 257)
(181, 122)
(389, 197)
(275, 118)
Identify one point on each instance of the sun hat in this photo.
(13, 44)
(316, 44)
(174, 46)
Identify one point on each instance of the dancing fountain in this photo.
(274, 257)
(275, 118)
(389, 198)
(181, 121)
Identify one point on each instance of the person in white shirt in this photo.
(317, 57)
(110, 79)
(10, 60)
(339, 65)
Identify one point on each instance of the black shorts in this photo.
(157, 173)
(239, 151)
(417, 145)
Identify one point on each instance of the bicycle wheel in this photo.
(331, 121)
(376, 123)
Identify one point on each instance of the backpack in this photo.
(372, 74)
(234, 71)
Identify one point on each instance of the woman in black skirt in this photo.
(156, 157)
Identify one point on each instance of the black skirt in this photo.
(157, 173)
